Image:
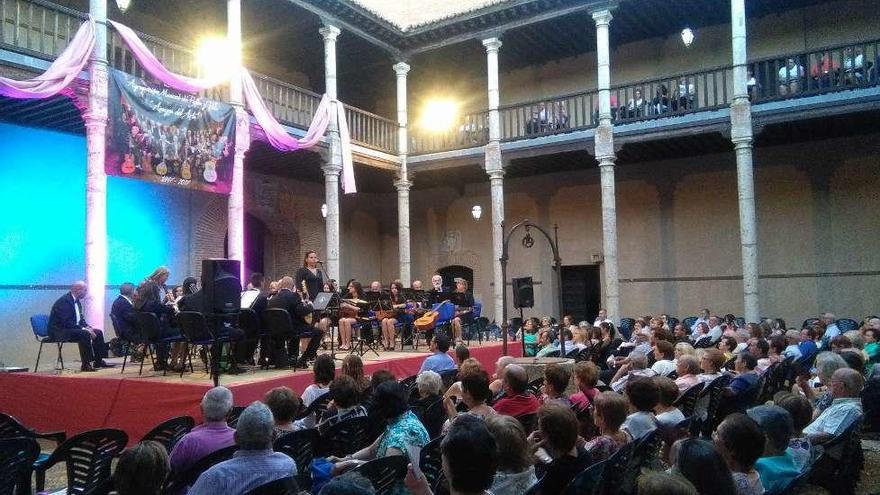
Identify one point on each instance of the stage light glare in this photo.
(687, 37)
(215, 58)
(123, 5)
(439, 115)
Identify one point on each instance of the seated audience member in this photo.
(470, 460)
(439, 360)
(142, 469)
(609, 342)
(698, 461)
(792, 339)
(529, 333)
(872, 347)
(854, 359)
(807, 345)
(680, 334)
(500, 364)
(353, 366)
(586, 375)
(741, 442)
(350, 483)
(346, 403)
(378, 378)
(323, 371)
(642, 395)
(683, 349)
(790, 77)
(609, 413)
(775, 352)
(687, 369)
(402, 428)
(555, 382)
(634, 365)
(556, 346)
(284, 404)
(701, 333)
(711, 363)
(469, 365)
(845, 408)
(665, 412)
(662, 483)
(214, 434)
(801, 414)
(462, 353)
(254, 464)
(727, 346)
(743, 385)
(826, 364)
(516, 401)
(516, 470)
(777, 465)
(428, 384)
(474, 393)
(664, 353)
(559, 457)
(840, 343)
(67, 322)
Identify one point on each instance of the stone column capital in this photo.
(492, 44)
(401, 69)
(330, 169)
(403, 185)
(602, 17)
(329, 32)
(495, 174)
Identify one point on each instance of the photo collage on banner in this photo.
(163, 136)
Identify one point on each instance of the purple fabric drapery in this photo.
(61, 73)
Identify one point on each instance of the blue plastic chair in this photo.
(40, 327)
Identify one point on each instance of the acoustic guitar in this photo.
(427, 321)
(210, 173)
(186, 171)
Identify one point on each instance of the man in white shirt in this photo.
(715, 328)
(703, 318)
(845, 408)
(602, 316)
(831, 329)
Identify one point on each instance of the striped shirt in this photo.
(248, 469)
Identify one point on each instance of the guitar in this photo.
(210, 173)
(128, 166)
(427, 321)
(186, 171)
(162, 168)
(308, 317)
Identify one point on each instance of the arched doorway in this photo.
(451, 272)
(255, 234)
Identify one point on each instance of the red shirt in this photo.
(517, 405)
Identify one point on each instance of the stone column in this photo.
(495, 169)
(235, 204)
(333, 167)
(95, 118)
(741, 135)
(604, 148)
(403, 183)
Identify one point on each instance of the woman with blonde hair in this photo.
(516, 471)
(353, 366)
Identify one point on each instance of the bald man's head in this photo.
(847, 382)
(79, 289)
(515, 379)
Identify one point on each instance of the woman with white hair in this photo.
(428, 384)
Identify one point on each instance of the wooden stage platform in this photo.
(73, 401)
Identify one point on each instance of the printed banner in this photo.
(162, 136)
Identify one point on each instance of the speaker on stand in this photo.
(523, 297)
(221, 298)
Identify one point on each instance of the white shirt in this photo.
(663, 367)
(671, 417)
(715, 333)
(696, 325)
(598, 321)
(790, 74)
(837, 417)
(309, 395)
(849, 65)
(639, 424)
(76, 308)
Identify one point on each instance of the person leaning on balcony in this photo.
(637, 105)
(790, 77)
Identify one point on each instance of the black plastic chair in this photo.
(281, 486)
(847, 324)
(318, 407)
(40, 327)
(17, 457)
(385, 473)
(11, 427)
(432, 417)
(626, 326)
(431, 462)
(714, 391)
(586, 481)
(169, 432)
(232, 417)
(88, 457)
(182, 480)
(409, 381)
(194, 327)
(534, 386)
(128, 341)
(808, 323)
(279, 326)
(645, 454)
(614, 470)
(151, 330)
(344, 438)
(529, 422)
(448, 377)
(689, 322)
(300, 446)
(841, 462)
(687, 400)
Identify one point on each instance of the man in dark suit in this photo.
(124, 314)
(67, 323)
(309, 335)
(259, 301)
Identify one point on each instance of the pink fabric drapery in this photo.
(61, 73)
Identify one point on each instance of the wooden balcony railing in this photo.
(473, 131)
(43, 29)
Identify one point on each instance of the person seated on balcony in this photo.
(853, 64)
(752, 85)
(637, 105)
(660, 104)
(685, 96)
(560, 116)
(790, 76)
(614, 108)
(538, 121)
(824, 71)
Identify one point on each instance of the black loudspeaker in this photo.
(523, 293)
(221, 285)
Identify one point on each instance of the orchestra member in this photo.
(258, 304)
(463, 312)
(313, 278)
(153, 297)
(437, 282)
(123, 313)
(375, 286)
(309, 336)
(348, 314)
(67, 323)
(273, 288)
(416, 285)
(388, 324)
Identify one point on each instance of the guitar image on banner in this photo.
(186, 171)
(162, 168)
(210, 173)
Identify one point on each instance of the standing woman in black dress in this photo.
(313, 278)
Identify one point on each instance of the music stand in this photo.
(327, 302)
(373, 303)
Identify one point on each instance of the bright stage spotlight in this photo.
(215, 58)
(439, 115)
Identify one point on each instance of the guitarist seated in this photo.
(463, 312)
(309, 336)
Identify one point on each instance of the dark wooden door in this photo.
(581, 291)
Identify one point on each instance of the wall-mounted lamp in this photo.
(477, 212)
(687, 37)
(324, 210)
(123, 5)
